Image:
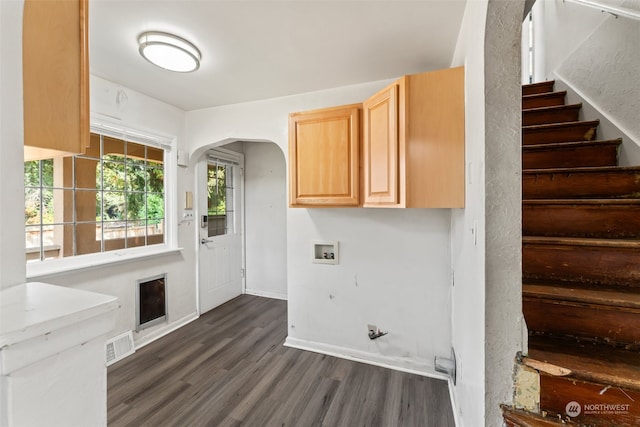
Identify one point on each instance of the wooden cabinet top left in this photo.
(55, 70)
(324, 157)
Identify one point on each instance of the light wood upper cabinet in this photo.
(55, 61)
(324, 154)
(380, 145)
(414, 142)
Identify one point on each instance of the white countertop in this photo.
(35, 309)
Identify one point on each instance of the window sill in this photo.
(56, 267)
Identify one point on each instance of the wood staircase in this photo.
(581, 268)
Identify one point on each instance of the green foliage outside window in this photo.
(217, 189)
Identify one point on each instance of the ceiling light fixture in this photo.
(169, 52)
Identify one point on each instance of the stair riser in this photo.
(561, 185)
(573, 133)
(606, 221)
(613, 266)
(543, 101)
(557, 392)
(573, 157)
(609, 325)
(569, 114)
(542, 87)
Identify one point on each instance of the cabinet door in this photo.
(324, 157)
(55, 73)
(381, 146)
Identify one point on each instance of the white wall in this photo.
(144, 113)
(265, 189)
(566, 26)
(596, 57)
(467, 228)
(487, 321)
(12, 254)
(394, 266)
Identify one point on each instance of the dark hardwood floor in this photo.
(229, 368)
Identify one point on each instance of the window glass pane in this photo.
(53, 240)
(47, 172)
(33, 242)
(88, 205)
(86, 172)
(136, 231)
(32, 206)
(113, 149)
(155, 207)
(113, 176)
(136, 208)
(155, 156)
(135, 153)
(155, 179)
(155, 228)
(86, 239)
(115, 243)
(136, 177)
(32, 174)
(114, 230)
(114, 206)
(216, 189)
(57, 206)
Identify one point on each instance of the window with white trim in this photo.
(111, 197)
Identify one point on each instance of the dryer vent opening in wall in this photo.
(151, 301)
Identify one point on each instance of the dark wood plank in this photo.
(613, 262)
(556, 114)
(589, 182)
(588, 361)
(600, 218)
(559, 132)
(519, 418)
(557, 392)
(571, 154)
(230, 368)
(543, 100)
(539, 87)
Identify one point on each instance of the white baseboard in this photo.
(266, 294)
(396, 363)
(165, 330)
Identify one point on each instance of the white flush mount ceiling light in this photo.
(169, 52)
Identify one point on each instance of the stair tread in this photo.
(553, 108)
(595, 169)
(544, 94)
(581, 202)
(583, 241)
(552, 126)
(529, 86)
(576, 292)
(587, 361)
(571, 144)
(528, 419)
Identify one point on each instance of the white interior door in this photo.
(221, 260)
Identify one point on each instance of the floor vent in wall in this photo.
(119, 347)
